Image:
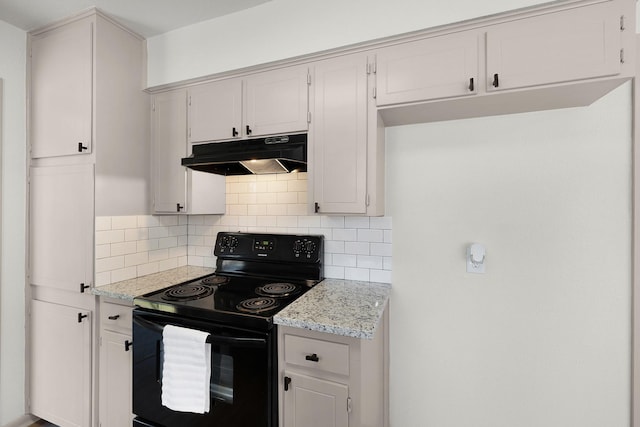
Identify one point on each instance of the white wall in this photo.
(12, 264)
(281, 29)
(543, 338)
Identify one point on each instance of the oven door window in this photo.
(242, 376)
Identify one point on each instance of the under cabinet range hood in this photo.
(274, 154)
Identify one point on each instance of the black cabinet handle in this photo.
(248, 130)
(312, 357)
(81, 147)
(83, 287)
(472, 86)
(127, 345)
(114, 317)
(316, 207)
(496, 81)
(287, 381)
(234, 132)
(81, 316)
(179, 207)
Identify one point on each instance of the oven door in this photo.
(243, 375)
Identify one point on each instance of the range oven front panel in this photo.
(243, 378)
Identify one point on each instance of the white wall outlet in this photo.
(476, 257)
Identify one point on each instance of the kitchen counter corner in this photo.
(341, 307)
(129, 289)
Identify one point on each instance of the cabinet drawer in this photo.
(115, 317)
(323, 355)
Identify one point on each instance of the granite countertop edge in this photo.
(340, 307)
(129, 289)
(335, 306)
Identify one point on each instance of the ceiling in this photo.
(146, 17)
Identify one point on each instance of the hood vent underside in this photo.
(279, 154)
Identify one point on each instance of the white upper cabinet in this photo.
(438, 67)
(61, 90)
(268, 103)
(177, 189)
(215, 111)
(169, 145)
(575, 44)
(61, 227)
(276, 102)
(339, 137)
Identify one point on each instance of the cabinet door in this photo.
(61, 86)
(215, 111)
(61, 226)
(312, 402)
(277, 102)
(169, 146)
(438, 67)
(576, 44)
(115, 379)
(60, 361)
(339, 135)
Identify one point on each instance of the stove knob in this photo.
(224, 241)
(297, 246)
(233, 242)
(309, 247)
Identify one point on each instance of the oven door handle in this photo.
(212, 338)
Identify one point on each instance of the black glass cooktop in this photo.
(231, 300)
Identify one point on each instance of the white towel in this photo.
(186, 371)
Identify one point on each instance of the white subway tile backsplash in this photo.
(103, 223)
(370, 262)
(356, 248)
(380, 222)
(345, 260)
(356, 274)
(381, 249)
(356, 222)
(109, 264)
(158, 255)
(370, 235)
(123, 248)
(123, 274)
(381, 276)
(346, 234)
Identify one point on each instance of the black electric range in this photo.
(256, 276)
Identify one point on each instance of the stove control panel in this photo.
(227, 243)
(273, 247)
(304, 247)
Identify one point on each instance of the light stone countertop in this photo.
(341, 307)
(129, 289)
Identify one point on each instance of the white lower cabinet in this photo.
(115, 365)
(312, 402)
(60, 360)
(327, 380)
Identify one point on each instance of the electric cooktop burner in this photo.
(257, 305)
(214, 280)
(277, 290)
(187, 292)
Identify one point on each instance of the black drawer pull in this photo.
(496, 81)
(127, 345)
(234, 132)
(114, 317)
(312, 357)
(81, 316)
(472, 86)
(82, 147)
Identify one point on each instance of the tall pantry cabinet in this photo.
(88, 145)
